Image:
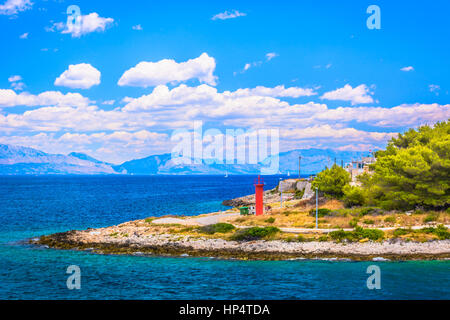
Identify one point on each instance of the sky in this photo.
(117, 83)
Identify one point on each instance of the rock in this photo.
(309, 193)
(288, 185)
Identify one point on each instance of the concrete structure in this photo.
(355, 168)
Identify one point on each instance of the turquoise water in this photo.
(32, 206)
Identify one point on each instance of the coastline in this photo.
(164, 244)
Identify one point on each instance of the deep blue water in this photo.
(32, 206)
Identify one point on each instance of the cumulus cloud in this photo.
(9, 98)
(278, 91)
(406, 69)
(85, 24)
(228, 15)
(146, 74)
(357, 95)
(79, 76)
(11, 7)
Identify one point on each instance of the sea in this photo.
(31, 206)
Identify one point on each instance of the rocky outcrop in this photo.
(142, 243)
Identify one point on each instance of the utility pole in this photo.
(299, 161)
(342, 163)
(334, 161)
(317, 209)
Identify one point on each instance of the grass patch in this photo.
(390, 219)
(270, 220)
(254, 233)
(217, 228)
(434, 216)
(322, 212)
(368, 221)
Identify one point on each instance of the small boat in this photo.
(226, 174)
(289, 174)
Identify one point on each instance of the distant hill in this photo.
(313, 161)
(15, 160)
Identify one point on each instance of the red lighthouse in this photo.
(259, 191)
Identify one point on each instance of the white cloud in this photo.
(146, 74)
(109, 102)
(357, 95)
(87, 24)
(24, 36)
(228, 15)
(278, 91)
(406, 69)
(271, 55)
(11, 7)
(80, 76)
(9, 98)
(434, 88)
(14, 78)
(16, 82)
(137, 27)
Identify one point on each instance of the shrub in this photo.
(357, 234)
(369, 221)
(353, 196)
(431, 217)
(354, 222)
(320, 212)
(442, 232)
(390, 219)
(299, 194)
(370, 210)
(218, 227)
(255, 233)
(401, 232)
(270, 220)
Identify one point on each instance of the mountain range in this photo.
(17, 160)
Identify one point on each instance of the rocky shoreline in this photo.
(101, 241)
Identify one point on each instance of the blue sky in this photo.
(352, 87)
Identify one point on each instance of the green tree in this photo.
(353, 196)
(414, 170)
(332, 181)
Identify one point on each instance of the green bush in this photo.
(332, 181)
(357, 234)
(353, 196)
(320, 212)
(299, 194)
(218, 227)
(401, 232)
(442, 232)
(270, 220)
(254, 233)
(354, 222)
(368, 221)
(390, 219)
(431, 217)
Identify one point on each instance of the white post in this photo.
(317, 209)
